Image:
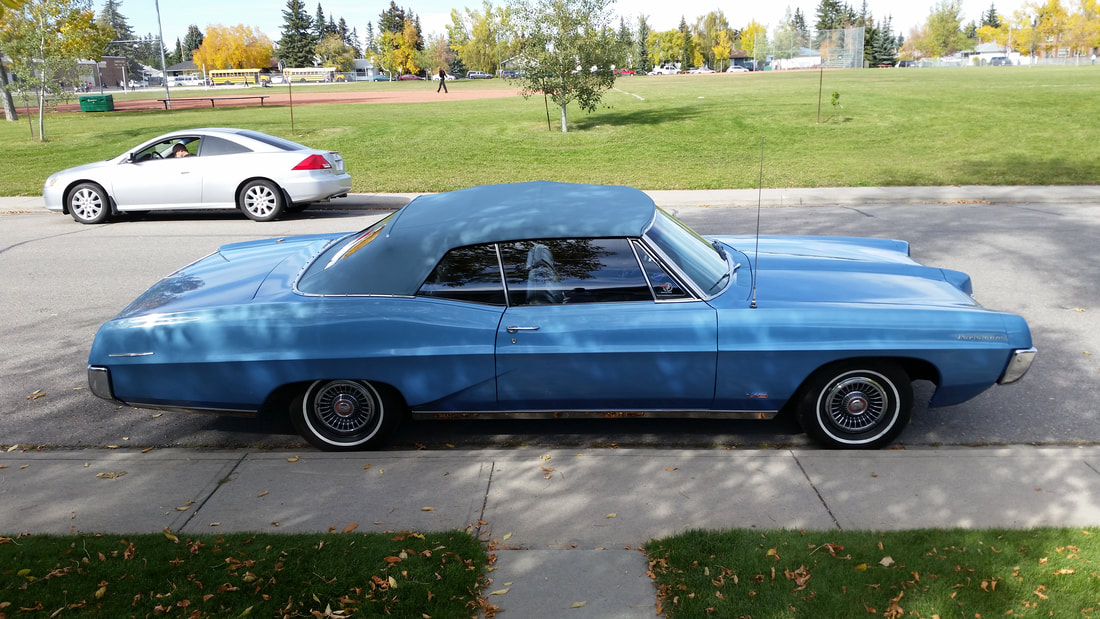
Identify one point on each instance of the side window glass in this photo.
(563, 271)
(217, 146)
(467, 274)
(665, 287)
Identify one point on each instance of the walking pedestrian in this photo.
(442, 80)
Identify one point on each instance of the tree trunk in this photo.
(564, 122)
(41, 114)
(9, 105)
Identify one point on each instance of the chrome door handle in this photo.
(514, 328)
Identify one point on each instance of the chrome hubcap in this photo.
(856, 404)
(345, 407)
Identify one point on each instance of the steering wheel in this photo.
(155, 155)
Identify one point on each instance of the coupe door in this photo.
(159, 181)
(583, 331)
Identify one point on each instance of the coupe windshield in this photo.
(697, 258)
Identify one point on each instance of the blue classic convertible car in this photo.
(553, 299)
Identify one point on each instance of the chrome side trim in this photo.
(193, 409)
(131, 354)
(1018, 365)
(551, 414)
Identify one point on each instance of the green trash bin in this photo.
(97, 103)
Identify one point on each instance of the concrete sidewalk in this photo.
(574, 521)
(768, 198)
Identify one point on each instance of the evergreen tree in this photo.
(798, 24)
(297, 42)
(320, 26)
(990, 18)
(624, 41)
(355, 43)
(392, 19)
(191, 41)
(643, 63)
(123, 42)
(685, 51)
(885, 51)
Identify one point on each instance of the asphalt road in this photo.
(61, 280)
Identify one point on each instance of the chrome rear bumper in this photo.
(1018, 365)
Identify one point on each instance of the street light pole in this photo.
(163, 65)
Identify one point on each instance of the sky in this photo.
(267, 15)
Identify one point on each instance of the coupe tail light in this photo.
(313, 162)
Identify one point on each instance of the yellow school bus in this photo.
(245, 77)
(313, 74)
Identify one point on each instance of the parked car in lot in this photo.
(1000, 61)
(511, 74)
(380, 77)
(736, 68)
(435, 77)
(549, 299)
(260, 174)
(408, 77)
(478, 75)
(138, 84)
(624, 71)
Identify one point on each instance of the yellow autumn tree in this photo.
(723, 45)
(236, 47)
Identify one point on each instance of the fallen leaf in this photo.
(13, 448)
(37, 394)
(862, 567)
(351, 527)
(147, 450)
(262, 494)
(507, 536)
(292, 459)
(427, 509)
(110, 475)
(577, 604)
(172, 538)
(611, 515)
(393, 583)
(547, 469)
(672, 468)
(102, 591)
(887, 561)
(365, 467)
(500, 591)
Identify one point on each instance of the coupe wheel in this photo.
(261, 200)
(339, 415)
(88, 204)
(856, 405)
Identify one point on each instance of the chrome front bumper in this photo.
(99, 381)
(1018, 365)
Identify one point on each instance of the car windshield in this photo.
(697, 258)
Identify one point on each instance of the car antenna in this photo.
(759, 199)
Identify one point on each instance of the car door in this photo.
(153, 179)
(585, 330)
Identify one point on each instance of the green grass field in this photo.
(921, 573)
(894, 127)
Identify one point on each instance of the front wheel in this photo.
(852, 405)
(88, 204)
(342, 415)
(261, 200)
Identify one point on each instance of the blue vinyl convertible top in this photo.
(417, 236)
(539, 209)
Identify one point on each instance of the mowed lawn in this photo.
(893, 127)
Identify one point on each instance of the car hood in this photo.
(82, 170)
(234, 274)
(846, 270)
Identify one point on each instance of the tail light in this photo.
(313, 162)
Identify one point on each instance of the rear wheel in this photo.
(88, 204)
(341, 415)
(856, 405)
(261, 200)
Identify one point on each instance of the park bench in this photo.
(212, 99)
